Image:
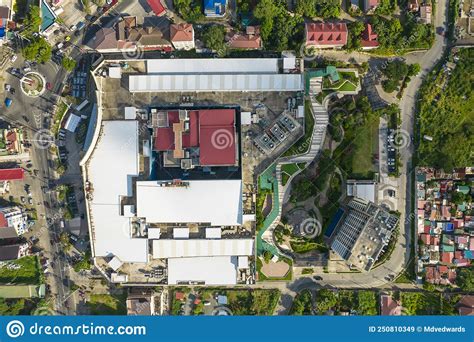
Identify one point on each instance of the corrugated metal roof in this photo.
(208, 83)
(213, 65)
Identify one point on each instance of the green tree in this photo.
(32, 22)
(325, 300)
(306, 8)
(68, 63)
(367, 303)
(465, 279)
(355, 30)
(265, 12)
(189, 10)
(38, 50)
(414, 69)
(328, 9)
(302, 305)
(213, 38)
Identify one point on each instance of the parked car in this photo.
(8, 102)
(13, 59)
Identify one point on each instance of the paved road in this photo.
(30, 113)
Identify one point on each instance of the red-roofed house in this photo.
(157, 7)
(466, 306)
(11, 174)
(179, 296)
(370, 40)
(447, 257)
(251, 40)
(209, 135)
(326, 35)
(389, 307)
(370, 5)
(182, 36)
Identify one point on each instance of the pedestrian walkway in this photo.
(280, 192)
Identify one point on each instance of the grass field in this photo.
(28, 273)
(102, 304)
(365, 145)
(288, 170)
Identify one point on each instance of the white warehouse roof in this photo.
(109, 170)
(215, 82)
(218, 202)
(210, 270)
(213, 65)
(168, 248)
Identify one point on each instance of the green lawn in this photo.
(103, 304)
(365, 146)
(28, 273)
(288, 170)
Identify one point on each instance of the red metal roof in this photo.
(11, 174)
(212, 130)
(326, 34)
(369, 37)
(157, 7)
(3, 221)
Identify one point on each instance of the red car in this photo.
(48, 85)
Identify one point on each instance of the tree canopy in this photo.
(213, 37)
(38, 50)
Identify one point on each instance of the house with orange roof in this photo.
(182, 36)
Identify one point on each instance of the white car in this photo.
(8, 87)
(13, 59)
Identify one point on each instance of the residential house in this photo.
(129, 36)
(326, 35)
(251, 40)
(425, 13)
(140, 305)
(370, 5)
(182, 36)
(157, 7)
(466, 305)
(5, 17)
(389, 306)
(414, 6)
(370, 40)
(215, 8)
(8, 175)
(13, 217)
(13, 252)
(8, 233)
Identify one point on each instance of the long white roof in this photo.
(213, 65)
(168, 248)
(110, 169)
(210, 270)
(215, 82)
(218, 202)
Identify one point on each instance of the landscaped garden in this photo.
(25, 270)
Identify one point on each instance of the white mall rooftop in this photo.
(218, 202)
(220, 270)
(182, 248)
(110, 169)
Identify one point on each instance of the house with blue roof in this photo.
(215, 8)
